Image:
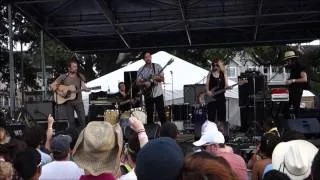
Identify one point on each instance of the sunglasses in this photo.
(215, 65)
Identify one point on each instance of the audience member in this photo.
(4, 136)
(289, 135)
(4, 153)
(169, 130)
(98, 150)
(34, 136)
(61, 167)
(275, 175)
(315, 169)
(160, 159)
(294, 158)
(213, 142)
(11, 145)
(28, 164)
(205, 166)
(6, 170)
(131, 151)
(269, 126)
(268, 142)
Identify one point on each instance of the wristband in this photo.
(50, 128)
(142, 135)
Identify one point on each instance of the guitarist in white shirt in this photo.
(155, 97)
(217, 79)
(78, 80)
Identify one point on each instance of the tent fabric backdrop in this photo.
(183, 73)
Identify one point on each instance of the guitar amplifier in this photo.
(96, 112)
(191, 92)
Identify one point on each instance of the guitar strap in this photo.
(154, 69)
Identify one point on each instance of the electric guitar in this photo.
(205, 99)
(147, 91)
(66, 93)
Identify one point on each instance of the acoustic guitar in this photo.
(147, 91)
(66, 93)
(205, 99)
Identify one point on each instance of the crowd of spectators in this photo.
(100, 152)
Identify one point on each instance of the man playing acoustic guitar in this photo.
(150, 80)
(78, 80)
(217, 79)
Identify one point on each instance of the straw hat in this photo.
(294, 158)
(289, 55)
(98, 148)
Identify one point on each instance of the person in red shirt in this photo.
(213, 142)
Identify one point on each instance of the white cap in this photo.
(208, 126)
(210, 137)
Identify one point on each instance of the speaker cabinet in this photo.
(255, 85)
(39, 110)
(96, 112)
(191, 92)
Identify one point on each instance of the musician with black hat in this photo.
(297, 82)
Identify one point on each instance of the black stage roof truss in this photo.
(121, 25)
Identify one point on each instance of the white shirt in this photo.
(129, 176)
(45, 158)
(145, 72)
(58, 170)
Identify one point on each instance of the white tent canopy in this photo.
(180, 72)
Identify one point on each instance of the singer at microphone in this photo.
(72, 78)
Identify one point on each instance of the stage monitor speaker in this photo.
(16, 130)
(307, 126)
(191, 92)
(58, 126)
(39, 110)
(129, 78)
(247, 90)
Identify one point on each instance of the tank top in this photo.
(217, 82)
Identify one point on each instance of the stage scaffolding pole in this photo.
(43, 67)
(11, 64)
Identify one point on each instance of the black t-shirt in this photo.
(217, 82)
(295, 73)
(124, 107)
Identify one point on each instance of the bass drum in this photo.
(140, 114)
(111, 116)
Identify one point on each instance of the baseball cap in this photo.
(208, 126)
(210, 137)
(61, 143)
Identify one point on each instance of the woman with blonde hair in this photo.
(205, 166)
(6, 170)
(216, 81)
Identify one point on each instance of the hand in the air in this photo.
(50, 120)
(136, 125)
